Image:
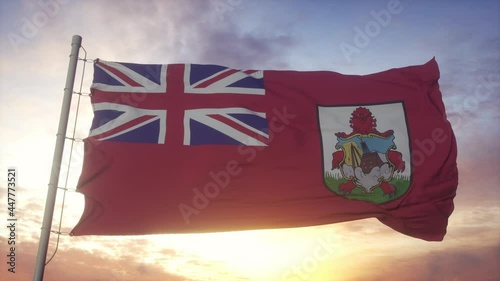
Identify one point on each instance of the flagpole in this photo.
(76, 43)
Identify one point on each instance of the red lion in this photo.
(363, 122)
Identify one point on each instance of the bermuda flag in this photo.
(184, 148)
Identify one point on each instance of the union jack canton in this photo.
(133, 102)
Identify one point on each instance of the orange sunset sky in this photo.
(463, 36)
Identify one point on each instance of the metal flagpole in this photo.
(76, 43)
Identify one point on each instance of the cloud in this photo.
(249, 50)
(477, 178)
(474, 263)
(469, 84)
(172, 32)
(477, 225)
(81, 265)
(420, 261)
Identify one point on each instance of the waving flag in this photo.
(211, 79)
(229, 126)
(118, 122)
(129, 78)
(200, 148)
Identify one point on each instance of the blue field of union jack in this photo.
(118, 122)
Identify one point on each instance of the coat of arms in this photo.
(364, 162)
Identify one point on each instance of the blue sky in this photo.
(464, 37)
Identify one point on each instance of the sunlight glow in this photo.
(284, 254)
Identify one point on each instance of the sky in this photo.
(463, 36)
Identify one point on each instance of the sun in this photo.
(283, 254)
